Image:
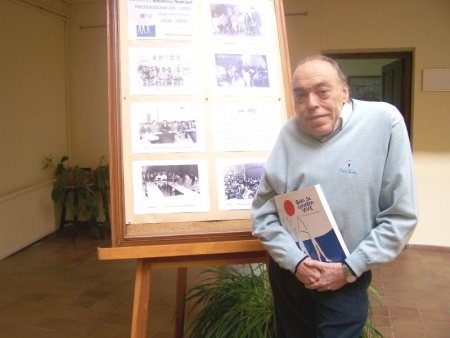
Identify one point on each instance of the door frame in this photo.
(407, 58)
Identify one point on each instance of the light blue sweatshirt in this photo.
(366, 173)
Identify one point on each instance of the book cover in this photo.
(306, 215)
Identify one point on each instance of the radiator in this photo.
(26, 217)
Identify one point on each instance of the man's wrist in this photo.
(300, 262)
(350, 277)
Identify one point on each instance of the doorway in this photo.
(394, 71)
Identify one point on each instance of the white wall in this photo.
(53, 88)
(88, 124)
(32, 94)
(433, 186)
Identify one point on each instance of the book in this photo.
(307, 217)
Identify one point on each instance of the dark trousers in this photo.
(303, 313)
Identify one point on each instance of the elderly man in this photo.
(360, 154)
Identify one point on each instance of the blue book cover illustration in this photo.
(307, 217)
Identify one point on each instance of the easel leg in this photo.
(181, 291)
(141, 298)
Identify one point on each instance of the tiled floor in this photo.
(58, 288)
(416, 292)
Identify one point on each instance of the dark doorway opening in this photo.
(396, 78)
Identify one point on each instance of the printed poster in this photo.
(247, 126)
(161, 20)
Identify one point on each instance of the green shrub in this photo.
(235, 301)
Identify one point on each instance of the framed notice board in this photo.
(198, 91)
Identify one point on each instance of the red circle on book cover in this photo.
(289, 207)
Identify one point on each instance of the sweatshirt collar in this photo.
(346, 112)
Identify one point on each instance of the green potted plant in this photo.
(102, 182)
(233, 302)
(236, 302)
(83, 182)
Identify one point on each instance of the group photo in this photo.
(242, 70)
(235, 20)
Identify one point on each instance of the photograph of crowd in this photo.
(241, 70)
(242, 180)
(160, 181)
(235, 20)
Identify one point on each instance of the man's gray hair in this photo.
(331, 61)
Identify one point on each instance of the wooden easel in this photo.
(230, 247)
(179, 256)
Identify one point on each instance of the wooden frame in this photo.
(220, 227)
(368, 88)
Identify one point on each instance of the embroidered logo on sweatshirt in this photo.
(348, 169)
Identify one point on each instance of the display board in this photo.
(198, 91)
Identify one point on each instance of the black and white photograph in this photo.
(242, 70)
(241, 21)
(170, 186)
(162, 71)
(238, 180)
(166, 127)
(228, 19)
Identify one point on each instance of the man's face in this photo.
(319, 96)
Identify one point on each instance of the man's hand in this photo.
(308, 274)
(332, 275)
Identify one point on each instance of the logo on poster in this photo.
(145, 31)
